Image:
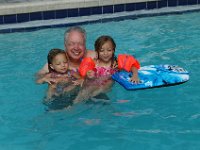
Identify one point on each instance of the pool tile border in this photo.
(86, 11)
(29, 29)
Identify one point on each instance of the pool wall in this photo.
(33, 11)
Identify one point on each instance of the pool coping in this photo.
(29, 7)
(93, 14)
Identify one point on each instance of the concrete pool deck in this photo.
(19, 15)
(8, 7)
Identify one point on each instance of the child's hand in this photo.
(135, 79)
(78, 82)
(90, 74)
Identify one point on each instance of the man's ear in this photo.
(65, 45)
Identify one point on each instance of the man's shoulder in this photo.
(91, 53)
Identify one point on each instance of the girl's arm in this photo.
(135, 77)
(129, 63)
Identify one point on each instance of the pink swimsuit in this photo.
(102, 75)
(104, 71)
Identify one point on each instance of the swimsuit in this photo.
(104, 71)
(103, 75)
(68, 75)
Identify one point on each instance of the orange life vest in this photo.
(126, 62)
(86, 65)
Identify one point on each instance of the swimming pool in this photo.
(161, 118)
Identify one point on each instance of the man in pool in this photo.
(75, 48)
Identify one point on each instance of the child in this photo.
(59, 77)
(98, 72)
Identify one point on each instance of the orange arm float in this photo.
(86, 65)
(126, 62)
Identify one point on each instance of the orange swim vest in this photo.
(126, 62)
(86, 65)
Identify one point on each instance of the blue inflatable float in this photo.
(153, 76)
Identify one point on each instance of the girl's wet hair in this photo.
(52, 54)
(101, 41)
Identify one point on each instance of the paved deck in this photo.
(22, 1)
(27, 6)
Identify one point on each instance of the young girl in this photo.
(98, 73)
(60, 79)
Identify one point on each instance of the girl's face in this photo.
(60, 63)
(106, 52)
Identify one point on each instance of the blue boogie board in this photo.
(153, 76)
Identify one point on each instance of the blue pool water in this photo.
(165, 118)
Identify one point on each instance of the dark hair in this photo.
(101, 41)
(51, 55)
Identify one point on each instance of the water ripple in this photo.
(195, 116)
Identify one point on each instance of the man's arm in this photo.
(44, 79)
(43, 71)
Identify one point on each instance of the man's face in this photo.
(75, 46)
